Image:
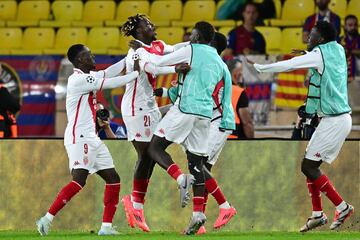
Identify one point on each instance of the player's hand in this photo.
(182, 68)
(135, 44)
(103, 123)
(298, 51)
(158, 92)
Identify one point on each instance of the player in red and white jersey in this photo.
(140, 111)
(87, 153)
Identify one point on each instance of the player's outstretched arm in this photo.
(115, 69)
(311, 59)
(119, 81)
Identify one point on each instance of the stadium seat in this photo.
(29, 13)
(272, 37)
(35, 40)
(65, 37)
(170, 35)
(277, 8)
(194, 11)
(338, 7)
(291, 38)
(294, 13)
(101, 39)
(95, 13)
(10, 38)
(7, 11)
(225, 30)
(162, 12)
(64, 13)
(126, 9)
(122, 47)
(354, 8)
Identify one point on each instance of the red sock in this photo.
(324, 185)
(206, 196)
(315, 195)
(174, 171)
(139, 190)
(213, 188)
(111, 200)
(198, 204)
(64, 196)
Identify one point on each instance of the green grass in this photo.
(28, 235)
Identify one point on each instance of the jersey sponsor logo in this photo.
(10, 80)
(162, 131)
(138, 135)
(318, 155)
(76, 163)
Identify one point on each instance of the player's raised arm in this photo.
(311, 59)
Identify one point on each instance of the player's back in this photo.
(80, 108)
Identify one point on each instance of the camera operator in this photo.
(305, 124)
(106, 128)
(9, 105)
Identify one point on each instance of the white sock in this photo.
(180, 178)
(49, 216)
(137, 205)
(225, 205)
(106, 224)
(317, 213)
(195, 213)
(341, 207)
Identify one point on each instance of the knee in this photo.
(196, 164)
(309, 169)
(115, 178)
(80, 181)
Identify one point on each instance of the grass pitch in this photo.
(29, 235)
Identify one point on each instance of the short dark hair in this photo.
(232, 63)
(326, 30)
(250, 3)
(73, 51)
(219, 42)
(351, 16)
(130, 26)
(206, 30)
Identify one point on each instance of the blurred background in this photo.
(35, 35)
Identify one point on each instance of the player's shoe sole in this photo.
(314, 222)
(340, 218)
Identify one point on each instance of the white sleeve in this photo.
(182, 55)
(115, 69)
(311, 59)
(87, 82)
(173, 48)
(156, 70)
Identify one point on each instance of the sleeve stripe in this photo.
(102, 83)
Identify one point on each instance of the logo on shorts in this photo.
(318, 155)
(76, 163)
(86, 148)
(147, 132)
(162, 131)
(138, 135)
(86, 160)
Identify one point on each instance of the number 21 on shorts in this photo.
(146, 120)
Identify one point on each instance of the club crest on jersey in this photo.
(90, 79)
(86, 160)
(86, 148)
(147, 132)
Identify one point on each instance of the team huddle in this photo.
(200, 118)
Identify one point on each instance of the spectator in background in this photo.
(351, 43)
(106, 128)
(323, 14)
(186, 37)
(9, 106)
(245, 39)
(240, 102)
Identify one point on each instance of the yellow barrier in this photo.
(260, 178)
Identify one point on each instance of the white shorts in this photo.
(91, 155)
(189, 130)
(141, 127)
(328, 138)
(217, 140)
